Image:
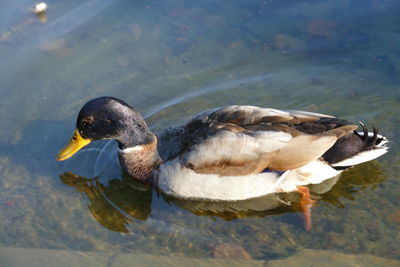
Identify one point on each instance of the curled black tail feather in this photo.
(369, 141)
(352, 144)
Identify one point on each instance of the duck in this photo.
(230, 153)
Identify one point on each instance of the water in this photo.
(170, 60)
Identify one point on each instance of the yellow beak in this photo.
(74, 145)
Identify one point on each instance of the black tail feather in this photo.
(352, 144)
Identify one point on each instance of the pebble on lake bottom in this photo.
(135, 32)
(230, 251)
(56, 48)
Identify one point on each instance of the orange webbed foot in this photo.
(306, 203)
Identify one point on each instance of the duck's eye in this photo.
(88, 120)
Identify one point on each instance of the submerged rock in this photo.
(230, 251)
(135, 32)
(321, 27)
(56, 48)
(122, 61)
(285, 42)
(213, 21)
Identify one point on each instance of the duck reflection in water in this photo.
(123, 200)
(114, 205)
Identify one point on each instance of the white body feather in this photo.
(176, 180)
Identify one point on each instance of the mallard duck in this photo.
(230, 153)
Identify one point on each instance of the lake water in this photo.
(170, 60)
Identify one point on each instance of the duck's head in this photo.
(107, 118)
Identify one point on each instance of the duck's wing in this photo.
(241, 140)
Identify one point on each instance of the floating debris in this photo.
(40, 10)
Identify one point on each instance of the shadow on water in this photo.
(124, 200)
(115, 205)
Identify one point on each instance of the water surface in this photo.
(170, 60)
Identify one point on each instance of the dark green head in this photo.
(107, 118)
